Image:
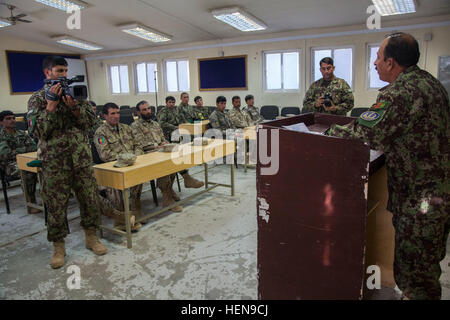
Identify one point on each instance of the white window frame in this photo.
(178, 80)
(314, 63)
(135, 77)
(110, 78)
(299, 70)
(368, 47)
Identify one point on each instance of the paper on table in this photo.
(300, 127)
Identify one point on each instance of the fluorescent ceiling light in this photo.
(4, 23)
(70, 41)
(239, 19)
(144, 32)
(63, 4)
(391, 7)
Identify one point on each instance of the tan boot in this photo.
(174, 195)
(59, 251)
(119, 223)
(190, 182)
(92, 242)
(136, 207)
(168, 200)
(34, 211)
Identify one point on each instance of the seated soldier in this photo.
(150, 135)
(219, 119)
(12, 143)
(111, 139)
(169, 118)
(200, 110)
(252, 111)
(240, 119)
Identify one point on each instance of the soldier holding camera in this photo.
(328, 94)
(61, 124)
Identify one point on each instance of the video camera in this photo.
(327, 100)
(78, 92)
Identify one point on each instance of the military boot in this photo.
(174, 195)
(168, 200)
(136, 207)
(59, 252)
(92, 242)
(119, 222)
(190, 182)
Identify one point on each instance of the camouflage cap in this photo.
(125, 160)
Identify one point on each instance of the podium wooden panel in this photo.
(312, 214)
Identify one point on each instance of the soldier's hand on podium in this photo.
(319, 103)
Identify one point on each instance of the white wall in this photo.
(97, 64)
(17, 102)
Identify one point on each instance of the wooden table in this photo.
(159, 164)
(22, 160)
(20, 119)
(196, 128)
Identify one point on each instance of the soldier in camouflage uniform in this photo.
(12, 143)
(186, 111)
(252, 111)
(111, 139)
(410, 123)
(341, 94)
(219, 119)
(240, 119)
(201, 111)
(150, 135)
(61, 125)
(169, 118)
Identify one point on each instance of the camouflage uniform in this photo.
(150, 135)
(339, 90)
(110, 142)
(187, 113)
(12, 145)
(97, 124)
(221, 120)
(169, 119)
(410, 123)
(254, 114)
(240, 119)
(66, 162)
(201, 112)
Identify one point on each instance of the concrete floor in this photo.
(208, 251)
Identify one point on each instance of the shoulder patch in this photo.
(371, 117)
(101, 140)
(379, 105)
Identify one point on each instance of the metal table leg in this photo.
(232, 180)
(126, 205)
(206, 175)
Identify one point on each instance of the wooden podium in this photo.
(321, 217)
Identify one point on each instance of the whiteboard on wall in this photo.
(77, 67)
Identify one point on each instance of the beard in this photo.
(147, 116)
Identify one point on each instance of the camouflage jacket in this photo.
(12, 145)
(63, 138)
(112, 141)
(148, 133)
(253, 112)
(169, 119)
(240, 119)
(201, 112)
(97, 124)
(221, 120)
(410, 123)
(339, 90)
(187, 113)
